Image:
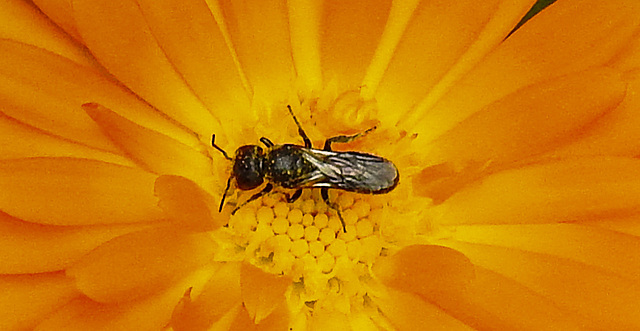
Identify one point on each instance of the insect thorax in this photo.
(286, 166)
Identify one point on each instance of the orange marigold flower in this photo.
(519, 191)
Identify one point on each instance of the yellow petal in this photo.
(426, 270)
(155, 151)
(259, 31)
(530, 121)
(350, 32)
(219, 296)
(304, 23)
(562, 39)
(325, 320)
(589, 245)
(203, 59)
(26, 299)
(139, 264)
(61, 12)
(187, 204)
(23, 22)
(601, 299)
(67, 191)
(46, 91)
(569, 190)
(407, 312)
(261, 292)
(20, 140)
(34, 248)
(442, 36)
(118, 36)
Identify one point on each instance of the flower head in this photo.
(516, 205)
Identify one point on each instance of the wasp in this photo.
(297, 167)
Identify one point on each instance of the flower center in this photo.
(305, 241)
(329, 266)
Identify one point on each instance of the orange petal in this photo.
(203, 59)
(187, 204)
(616, 133)
(440, 181)
(259, 31)
(61, 12)
(350, 32)
(562, 39)
(46, 91)
(23, 22)
(495, 302)
(20, 140)
(118, 36)
(530, 121)
(242, 321)
(585, 244)
(219, 296)
(599, 298)
(625, 224)
(139, 264)
(83, 314)
(155, 151)
(67, 191)
(441, 42)
(34, 248)
(31, 92)
(407, 311)
(26, 299)
(578, 189)
(261, 292)
(629, 58)
(276, 321)
(426, 270)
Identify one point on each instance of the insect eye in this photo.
(247, 167)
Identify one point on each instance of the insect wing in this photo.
(353, 171)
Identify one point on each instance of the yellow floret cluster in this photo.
(278, 235)
(305, 240)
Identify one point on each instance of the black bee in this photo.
(297, 167)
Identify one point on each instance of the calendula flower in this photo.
(519, 183)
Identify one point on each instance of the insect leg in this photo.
(324, 192)
(213, 143)
(295, 196)
(224, 195)
(307, 141)
(266, 142)
(344, 139)
(264, 191)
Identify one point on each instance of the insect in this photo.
(297, 167)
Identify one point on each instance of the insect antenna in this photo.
(224, 195)
(226, 156)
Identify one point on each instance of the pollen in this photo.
(305, 240)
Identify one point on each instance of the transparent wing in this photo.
(352, 171)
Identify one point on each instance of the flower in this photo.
(517, 206)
